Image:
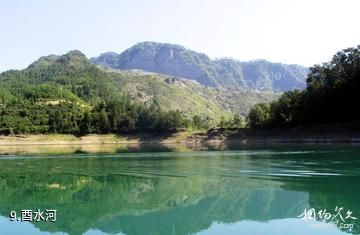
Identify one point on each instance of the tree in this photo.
(237, 121)
(330, 96)
(259, 115)
(86, 124)
(103, 121)
(223, 122)
(197, 122)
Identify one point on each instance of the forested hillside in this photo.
(331, 96)
(67, 94)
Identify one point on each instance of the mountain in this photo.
(175, 60)
(70, 73)
(191, 97)
(68, 94)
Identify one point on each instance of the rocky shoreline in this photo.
(318, 134)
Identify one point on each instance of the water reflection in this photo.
(181, 192)
(156, 147)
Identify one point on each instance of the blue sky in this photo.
(303, 32)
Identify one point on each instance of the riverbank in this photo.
(344, 133)
(321, 133)
(64, 139)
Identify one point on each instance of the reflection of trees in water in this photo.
(85, 202)
(153, 147)
(340, 188)
(162, 195)
(329, 193)
(230, 207)
(137, 204)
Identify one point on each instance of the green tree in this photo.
(237, 121)
(259, 115)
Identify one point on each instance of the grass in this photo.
(188, 96)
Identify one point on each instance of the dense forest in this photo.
(330, 96)
(69, 95)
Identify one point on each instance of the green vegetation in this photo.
(66, 94)
(69, 95)
(234, 122)
(330, 96)
(259, 115)
(169, 93)
(192, 98)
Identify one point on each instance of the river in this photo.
(263, 189)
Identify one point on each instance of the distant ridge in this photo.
(176, 60)
(71, 78)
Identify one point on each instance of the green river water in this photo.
(160, 190)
